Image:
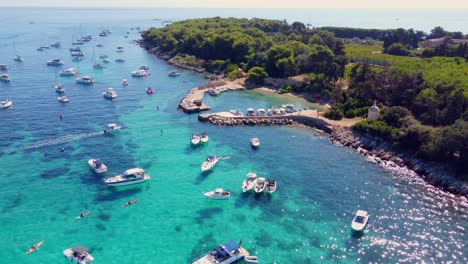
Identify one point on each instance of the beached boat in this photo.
(69, 72)
(59, 88)
(111, 128)
(218, 194)
(120, 60)
(204, 137)
(209, 163)
(3, 67)
(149, 90)
(97, 166)
(174, 73)
(225, 253)
(110, 94)
(124, 82)
(250, 112)
(249, 182)
(144, 67)
(85, 80)
(131, 176)
(4, 77)
(139, 73)
(255, 142)
(78, 254)
(260, 185)
(195, 139)
(271, 185)
(6, 104)
(360, 221)
(55, 62)
(34, 247)
(63, 99)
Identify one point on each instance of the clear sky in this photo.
(243, 3)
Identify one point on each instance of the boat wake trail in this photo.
(59, 140)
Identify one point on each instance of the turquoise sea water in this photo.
(306, 221)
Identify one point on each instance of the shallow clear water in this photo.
(306, 221)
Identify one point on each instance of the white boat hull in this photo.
(68, 253)
(125, 183)
(101, 169)
(206, 166)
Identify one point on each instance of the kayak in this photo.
(130, 202)
(34, 247)
(82, 216)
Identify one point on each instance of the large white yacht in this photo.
(209, 163)
(139, 73)
(225, 253)
(69, 72)
(85, 80)
(218, 194)
(55, 62)
(110, 94)
(131, 176)
(249, 182)
(78, 254)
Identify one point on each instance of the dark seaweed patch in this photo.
(54, 173)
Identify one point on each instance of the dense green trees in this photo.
(397, 49)
(282, 50)
(256, 75)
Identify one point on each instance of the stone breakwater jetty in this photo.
(193, 101)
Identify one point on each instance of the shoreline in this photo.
(379, 153)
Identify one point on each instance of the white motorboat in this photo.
(174, 73)
(124, 82)
(255, 142)
(120, 49)
(218, 194)
(250, 112)
(209, 163)
(204, 137)
(214, 92)
(139, 73)
(99, 45)
(85, 80)
(360, 221)
(110, 94)
(111, 128)
(78, 254)
(4, 77)
(251, 259)
(261, 112)
(131, 176)
(55, 62)
(271, 185)
(120, 60)
(106, 60)
(75, 49)
(6, 104)
(69, 72)
(78, 42)
(225, 253)
(144, 67)
(3, 67)
(249, 182)
(77, 53)
(97, 166)
(59, 88)
(103, 56)
(260, 185)
(63, 99)
(98, 65)
(56, 44)
(195, 139)
(18, 58)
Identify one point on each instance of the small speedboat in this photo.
(111, 128)
(130, 202)
(124, 82)
(77, 59)
(77, 53)
(97, 166)
(213, 92)
(4, 77)
(204, 137)
(75, 49)
(85, 80)
(139, 73)
(260, 185)
(59, 88)
(271, 186)
(6, 104)
(120, 49)
(250, 112)
(195, 139)
(120, 60)
(131, 176)
(174, 73)
(63, 99)
(98, 65)
(78, 254)
(255, 142)
(106, 60)
(99, 45)
(103, 56)
(209, 163)
(55, 62)
(249, 182)
(149, 90)
(18, 58)
(360, 221)
(34, 247)
(218, 194)
(69, 72)
(78, 42)
(3, 67)
(82, 215)
(56, 44)
(226, 253)
(144, 67)
(110, 94)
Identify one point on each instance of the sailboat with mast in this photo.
(96, 64)
(17, 57)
